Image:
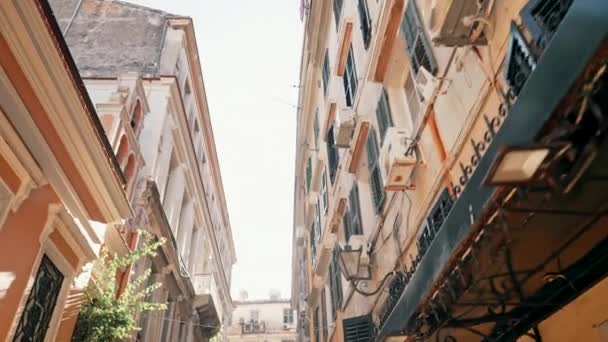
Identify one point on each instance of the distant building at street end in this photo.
(268, 320)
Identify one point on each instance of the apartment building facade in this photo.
(148, 91)
(271, 320)
(446, 156)
(61, 187)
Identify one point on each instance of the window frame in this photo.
(384, 115)
(365, 22)
(324, 190)
(375, 176)
(416, 41)
(338, 12)
(335, 285)
(352, 220)
(326, 73)
(308, 174)
(333, 155)
(349, 78)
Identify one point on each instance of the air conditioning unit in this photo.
(300, 235)
(346, 121)
(397, 159)
(324, 253)
(360, 241)
(451, 22)
(426, 84)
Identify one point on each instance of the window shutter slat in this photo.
(418, 46)
(358, 329)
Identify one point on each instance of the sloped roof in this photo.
(107, 38)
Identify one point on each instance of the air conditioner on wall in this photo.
(426, 84)
(360, 241)
(346, 121)
(397, 159)
(451, 22)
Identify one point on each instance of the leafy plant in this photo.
(104, 316)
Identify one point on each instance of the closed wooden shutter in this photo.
(375, 178)
(359, 329)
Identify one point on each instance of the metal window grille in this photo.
(366, 22)
(325, 74)
(395, 289)
(375, 176)
(520, 61)
(40, 304)
(335, 285)
(542, 18)
(337, 11)
(333, 158)
(434, 221)
(350, 79)
(418, 47)
(383, 115)
(359, 329)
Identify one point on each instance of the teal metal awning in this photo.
(578, 38)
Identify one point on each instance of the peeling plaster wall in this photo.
(108, 38)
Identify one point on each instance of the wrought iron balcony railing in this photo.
(541, 18)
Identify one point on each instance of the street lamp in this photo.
(517, 165)
(354, 270)
(350, 264)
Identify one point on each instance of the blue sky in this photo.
(250, 53)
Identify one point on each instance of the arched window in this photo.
(136, 116)
(129, 170)
(123, 149)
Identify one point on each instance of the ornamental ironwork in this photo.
(520, 61)
(542, 18)
(40, 304)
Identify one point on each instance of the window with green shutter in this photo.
(350, 78)
(324, 191)
(333, 158)
(325, 73)
(324, 315)
(308, 174)
(315, 232)
(316, 328)
(352, 215)
(335, 284)
(383, 115)
(418, 46)
(337, 11)
(375, 177)
(316, 128)
(365, 22)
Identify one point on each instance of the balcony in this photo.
(491, 266)
(206, 299)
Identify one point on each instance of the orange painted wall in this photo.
(19, 246)
(9, 176)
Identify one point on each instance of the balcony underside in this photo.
(541, 252)
(208, 318)
(501, 278)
